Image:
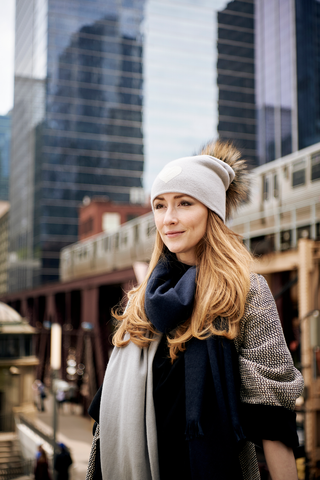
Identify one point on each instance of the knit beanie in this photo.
(203, 177)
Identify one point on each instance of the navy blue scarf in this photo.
(212, 381)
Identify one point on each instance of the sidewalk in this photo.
(74, 430)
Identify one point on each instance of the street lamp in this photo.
(55, 363)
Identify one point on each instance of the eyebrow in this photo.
(176, 196)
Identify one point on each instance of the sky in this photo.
(7, 9)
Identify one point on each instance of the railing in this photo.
(23, 468)
(38, 431)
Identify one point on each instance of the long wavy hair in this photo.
(222, 285)
(222, 280)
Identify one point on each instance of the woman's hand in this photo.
(280, 460)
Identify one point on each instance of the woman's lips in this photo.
(173, 234)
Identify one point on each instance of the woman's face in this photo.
(181, 221)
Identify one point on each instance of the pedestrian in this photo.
(62, 462)
(42, 396)
(200, 372)
(41, 470)
(60, 397)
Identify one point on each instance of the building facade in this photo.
(287, 76)
(100, 215)
(236, 77)
(5, 139)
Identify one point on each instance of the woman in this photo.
(200, 370)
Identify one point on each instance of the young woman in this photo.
(200, 371)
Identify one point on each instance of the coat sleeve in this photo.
(270, 383)
(94, 464)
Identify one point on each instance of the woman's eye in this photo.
(185, 203)
(158, 206)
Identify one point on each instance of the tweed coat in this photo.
(270, 383)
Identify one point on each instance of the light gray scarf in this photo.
(128, 441)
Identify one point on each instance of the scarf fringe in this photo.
(193, 430)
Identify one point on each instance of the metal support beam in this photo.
(90, 314)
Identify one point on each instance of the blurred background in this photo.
(96, 96)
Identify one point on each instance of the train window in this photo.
(299, 173)
(124, 239)
(275, 186)
(315, 167)
(265, 188)
(106, 243)
(116, 241)
(150, 229)
(136, 233)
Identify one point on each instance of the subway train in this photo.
(103, 253)
(284, 206)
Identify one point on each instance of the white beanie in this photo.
(203, 177)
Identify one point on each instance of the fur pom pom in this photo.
(238, 190)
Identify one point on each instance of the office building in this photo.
(287, 76)
(76, 124)
(5, 138)
(108, 92)
(236, 77)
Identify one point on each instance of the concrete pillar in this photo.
(305, 306)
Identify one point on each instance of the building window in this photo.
(111, 222)
(315, 167)
(299, 173)
(132, 216)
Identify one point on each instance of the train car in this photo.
(284, 204)
(103, 253)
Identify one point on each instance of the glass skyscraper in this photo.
(287, 76)
(77, 127)
(236, 77)
(105, 94)
(5, 138)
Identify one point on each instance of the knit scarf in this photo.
(212, 381)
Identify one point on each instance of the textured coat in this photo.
(269, 381)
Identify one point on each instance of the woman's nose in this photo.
(170, 216)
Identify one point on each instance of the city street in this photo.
(74, 430)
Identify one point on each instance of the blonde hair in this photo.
(222, 285)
